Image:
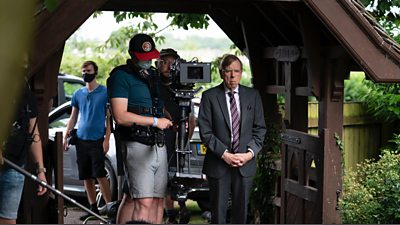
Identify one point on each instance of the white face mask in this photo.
(144, 64)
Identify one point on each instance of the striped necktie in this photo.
(235, 122)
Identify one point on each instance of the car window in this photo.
(70, 88)
(62, 119)
(62, 122)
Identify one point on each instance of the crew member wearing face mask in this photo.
(90, 102)
(139, 115)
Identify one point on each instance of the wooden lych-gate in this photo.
(311, 171)
(301, 180)
(296, 48)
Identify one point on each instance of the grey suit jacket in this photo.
(215, 129)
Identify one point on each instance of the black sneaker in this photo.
(170, 220)
(184, 215)
(207, 216)
(87, 215)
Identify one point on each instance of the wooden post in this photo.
(331, 118)
(58, 154)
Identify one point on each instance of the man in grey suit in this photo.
(232, 127)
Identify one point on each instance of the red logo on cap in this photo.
(146, 46)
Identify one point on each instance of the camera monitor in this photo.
(191, 72)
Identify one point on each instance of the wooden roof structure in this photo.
(342, 22)
(297, 48)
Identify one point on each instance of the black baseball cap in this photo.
(169, 52)
(143, 47)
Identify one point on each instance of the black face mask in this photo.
(88, 77)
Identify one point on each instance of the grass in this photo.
(191, 205)
(195, 213)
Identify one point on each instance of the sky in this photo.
(101, 27)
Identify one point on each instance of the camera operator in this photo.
(167, 58)
(139, 116)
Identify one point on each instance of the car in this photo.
(190, 182)
(66, 86)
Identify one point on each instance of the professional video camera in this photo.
(183, 76)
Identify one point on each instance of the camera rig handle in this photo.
(184, 94)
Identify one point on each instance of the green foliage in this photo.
(121, 16)
(396, 141)
(186, 21)
(114, 51)
(265, 178)
(372, 192)
(118, 44)
(70, 88)
(339, 141)
(354, 87)
(147, 25)
(385, 13)
(383, 100)
(77, 51)
(216, 78)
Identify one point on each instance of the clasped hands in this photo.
(237, 159)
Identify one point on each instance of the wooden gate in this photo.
(301, 183)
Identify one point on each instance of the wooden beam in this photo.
(267, 19)
(228, 22)
(305, 192)
(58, 160)
(330, 123)
(359, 38)
(312, 50)
(58, 27)
(45, 88)
(183, 6)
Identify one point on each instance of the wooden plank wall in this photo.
(362, 135)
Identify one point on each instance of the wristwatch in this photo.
(40, 169)
(155, 121)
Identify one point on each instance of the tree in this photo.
(114, 50)
(387, 14)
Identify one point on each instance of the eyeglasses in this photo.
(230, 71)
(164, 62)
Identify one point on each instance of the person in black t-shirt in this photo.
(167, 57)
(23, 135)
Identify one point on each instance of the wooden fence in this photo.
(362, 135)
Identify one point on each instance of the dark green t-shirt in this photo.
(136, 90)
(123, 84)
